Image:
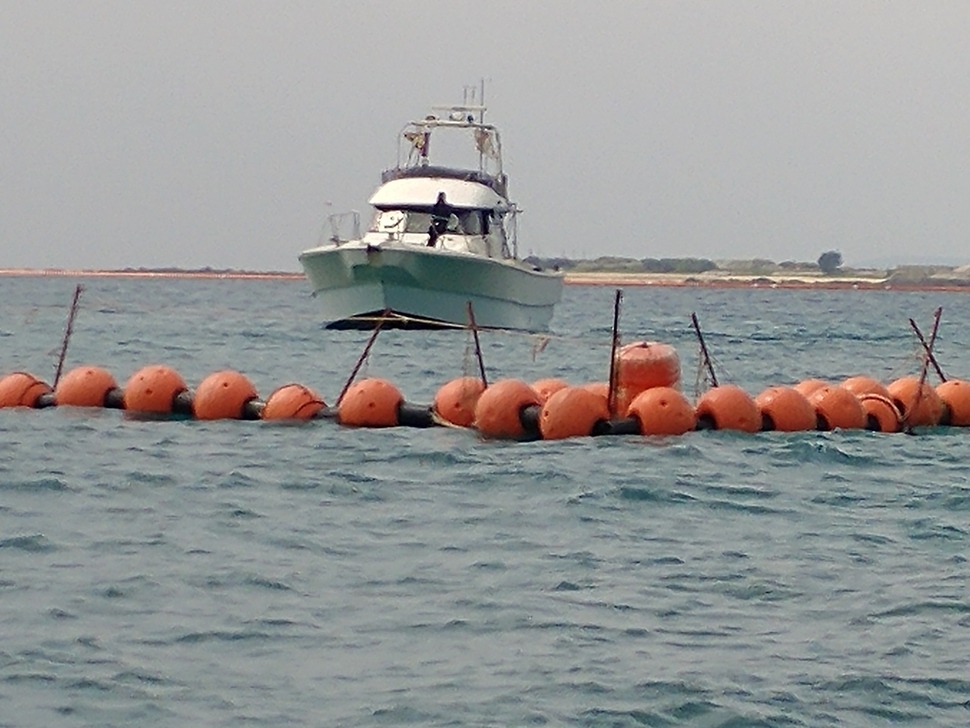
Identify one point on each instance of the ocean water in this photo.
(174, 573)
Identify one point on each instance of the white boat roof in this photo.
(423, 191)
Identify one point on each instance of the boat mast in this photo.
(481, 114)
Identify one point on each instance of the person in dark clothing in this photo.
(441, 214)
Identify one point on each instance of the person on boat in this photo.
(443, 219)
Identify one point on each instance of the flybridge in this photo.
(415, 140)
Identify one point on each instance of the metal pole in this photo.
(926, 362)
(363, 355)
(478, 345)
(928, 351)
(707, 356)
(67, 333)
(614, 373)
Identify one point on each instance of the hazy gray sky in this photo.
(215, 133)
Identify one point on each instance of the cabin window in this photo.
(388, 221)
(471, 222)
(418, 222)
(462, 222)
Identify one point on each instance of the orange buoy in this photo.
(572, 412)
(785, 409)
(641, 365)
(370, 403)
(837, 408)
(153, 389)
(645, 364)
(860, 385)
(662, 411)
(455, 401)
(728, 407)
(292, 402)
(223, 396)
(497, 412)
(21, 389)
(807, 386)
(955, 394)
(601, 388)
(547, 387)
(881, 414)
(921, 407)
(86, 386)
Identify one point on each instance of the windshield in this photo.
(461, 222)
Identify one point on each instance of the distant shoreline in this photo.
(721, 279)
(146, 273)
(727, 279)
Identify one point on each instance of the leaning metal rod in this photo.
(928, 351)
(614, 374)
(926, 359)
(478, 345)
(707, 356)
(363, 355)
(926, 362)
(67, 333)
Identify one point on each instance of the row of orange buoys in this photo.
(645, 396)
(513, 409)
(160, 390)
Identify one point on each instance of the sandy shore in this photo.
(725, 279)
(718, 279)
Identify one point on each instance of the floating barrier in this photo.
(455, 402)
(572, 412)
(918, 402)
(860, 385)
(807, 386)
(293, 402)
(785, 409)
(378, 403)
(662, 411)
(87, 386)
(157, 389)
(545, 388)
(22, 389)
(641, 397)
(836, 408)
(508, 410)
(644, 365)
(882, 415)
(512, 409)
(728, 407)
(955, 394)
(226, 395)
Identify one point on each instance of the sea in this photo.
(172, 572)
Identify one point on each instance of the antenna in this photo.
(468, 98)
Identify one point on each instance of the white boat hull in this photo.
(356, 282)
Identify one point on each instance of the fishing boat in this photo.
(441, 247)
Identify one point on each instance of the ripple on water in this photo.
(36, 485)
(35, 543)
(893, 699)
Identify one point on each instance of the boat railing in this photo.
(414, 140)
(512, 231)
(343, 226)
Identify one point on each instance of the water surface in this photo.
(242, 573)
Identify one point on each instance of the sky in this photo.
(223, 133)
